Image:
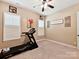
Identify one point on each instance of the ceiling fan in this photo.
(46, 3)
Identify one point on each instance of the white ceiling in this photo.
(58, 5)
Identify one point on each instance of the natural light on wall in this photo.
(41, 23)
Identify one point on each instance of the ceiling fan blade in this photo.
(43, 9)
(49, 0)
(44, 0)
(50, 6)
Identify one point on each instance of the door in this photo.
(78, 29)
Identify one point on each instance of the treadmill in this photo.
(31, 44)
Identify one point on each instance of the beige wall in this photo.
(25, 14)
(59, 32)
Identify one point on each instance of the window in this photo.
(41, 23)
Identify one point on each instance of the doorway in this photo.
(41, 28)
(77, 29)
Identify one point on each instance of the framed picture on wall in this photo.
(12, 9)
(68, 21)
(48, 24)
(55, 22)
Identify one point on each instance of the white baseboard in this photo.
(64, 44)
(39, 40)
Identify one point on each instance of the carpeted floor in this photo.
(49, 50)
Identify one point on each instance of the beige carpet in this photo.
(49, 50)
